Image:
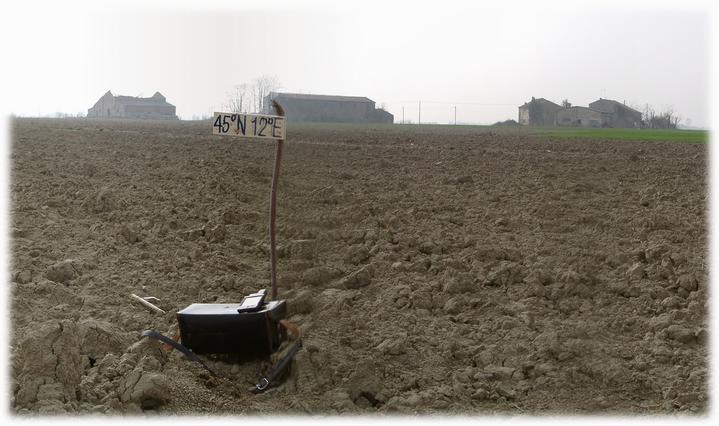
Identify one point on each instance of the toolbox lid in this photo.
(223, 308)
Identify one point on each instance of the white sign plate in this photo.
(249, 125)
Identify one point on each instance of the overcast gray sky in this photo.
(486, 59)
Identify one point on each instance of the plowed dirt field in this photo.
(432, 269)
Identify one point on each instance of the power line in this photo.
(451, 103)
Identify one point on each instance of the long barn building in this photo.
(326, 108)
(119, 106)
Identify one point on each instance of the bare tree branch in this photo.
(261, 87)
(237, 99)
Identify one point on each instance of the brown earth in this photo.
(433, 269)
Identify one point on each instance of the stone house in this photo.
(581, 117)
(538, 112)
(130, 107)
(617, 114)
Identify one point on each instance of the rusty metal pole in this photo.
(273, 208)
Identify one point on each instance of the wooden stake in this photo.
(147, 304)
(273, 208)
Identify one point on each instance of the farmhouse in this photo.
(601, 113)
(617, 114)
(580, 116)
(325, 108)
(111, 106)
(538, 112)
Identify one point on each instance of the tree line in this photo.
(250, 97)
(667, 119)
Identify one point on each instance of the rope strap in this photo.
(284, 362)
(177, 345)
(279, 368)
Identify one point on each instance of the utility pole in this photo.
(455, 115)
(402, 114)
(419, 120)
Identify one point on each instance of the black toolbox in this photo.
(217, 328)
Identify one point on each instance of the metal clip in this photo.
(263, 384)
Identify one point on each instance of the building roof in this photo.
(622, 105)
(526, 104)
(155, 100)
(308, 97)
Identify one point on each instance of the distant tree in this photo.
(250, 97)
(566, 103)
(672, 118)
(237, 99)
(260, 88)
(668, 119)
(647, 116)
